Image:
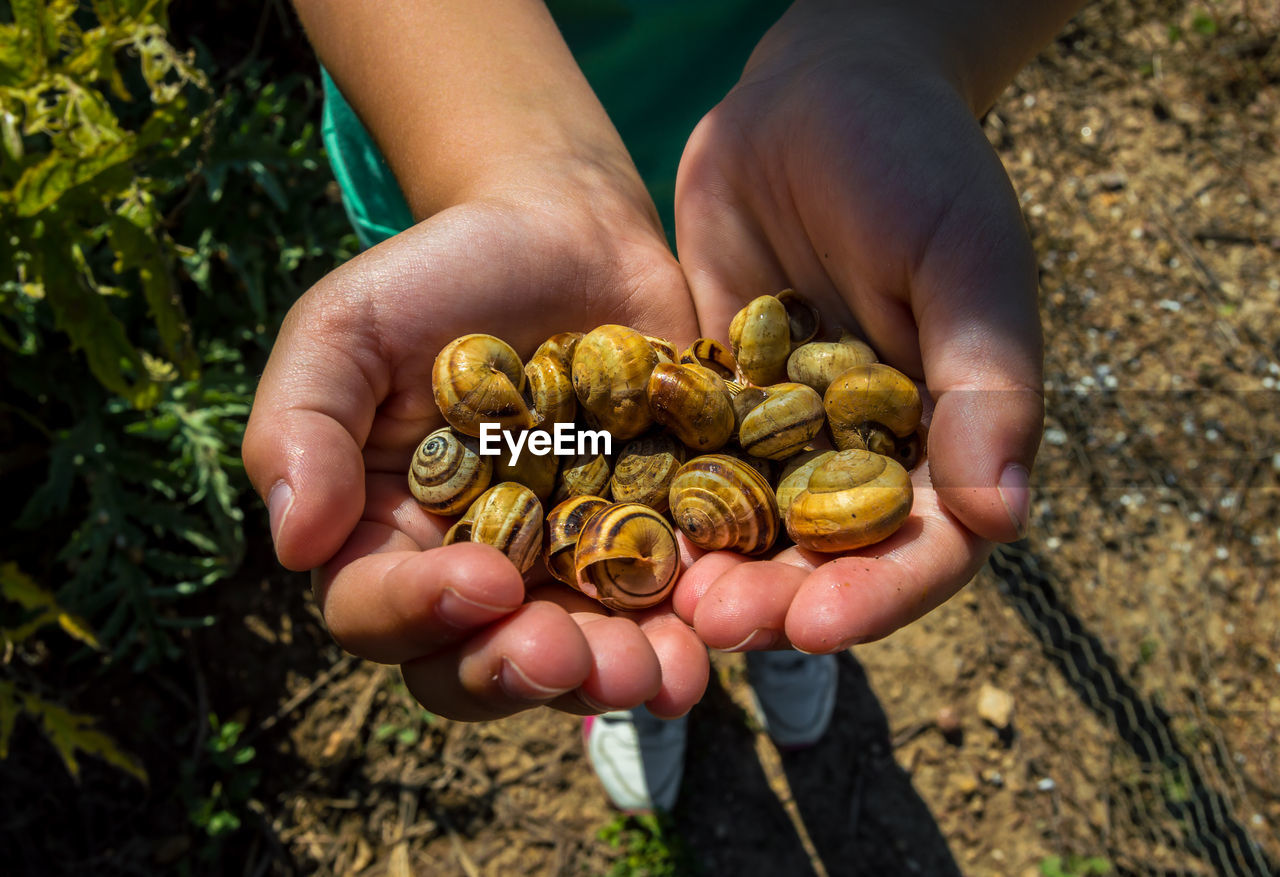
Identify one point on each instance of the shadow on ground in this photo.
(841, 807)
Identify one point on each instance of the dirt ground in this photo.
(1133, 641)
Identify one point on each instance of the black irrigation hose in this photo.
(1212, 832)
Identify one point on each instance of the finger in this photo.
(683, 662)
(392, 603)
(975, 301)
(625, 671)
(869, 593)
(746, 608)
(529, 658)
(311, 415)
(698, 577)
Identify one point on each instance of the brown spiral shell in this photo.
(564, 522)
(721, 502)
(507, 516)
(627, 555)
(760, 335)
(692, 402)
(790, 416)
(871, 397)
(479, 379)
(645, 468)
(854, 498)
(448, 472)
(710, 353)
(611, 368)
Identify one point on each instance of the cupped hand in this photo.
(346, 397)
(846, 163)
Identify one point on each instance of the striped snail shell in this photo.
(550, 390)
(721, 502)
(802, 317)
(760, 335)
(560, 347)
(710, 353)
(818, 363)
(691, 401)
(627, 556)
(507, 516)
(665, 349)
(611, 368)
(583, 475)
(854, 498)
(790, 416)
(479, 379)
(795, 476)
(448, 472)
(871, 404)
(564, 522)
(645, 468)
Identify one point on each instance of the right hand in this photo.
(346, 397)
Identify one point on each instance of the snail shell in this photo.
(721, 502)
(583, 475)
(534, 471)
(795, 476)
(867, 397)
(644, 470)
(665, 349)
(507, 516)
(744, 400)
(559, 346)
(478, 379)
(818, 363)
(564, 522)
(768, 469)
(710, 353)
(692, 402)
(790, 416)
(802, 317)
(448, 472)
(627, 555)
(854, 498)
(760, 335)
(550, 391)
(611, 368)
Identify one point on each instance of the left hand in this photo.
(847, 164)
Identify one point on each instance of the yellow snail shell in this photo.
(818, 363)
(564, 522)
(611, 368)
(760, 335)
(721, 502)
(507, 516)
(691, 401)
(560, 347)
(795, 476)
(790, 416)
(855, 498)
(448, 472)
(710, 353)
(665, 349)
(479, 379)
(583, 475)
(550, 390)
(627, 555)
(872, 397)
(644, 470)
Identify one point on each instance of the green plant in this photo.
(648, 846)
(220, 786)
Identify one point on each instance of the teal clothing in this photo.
(657, 66)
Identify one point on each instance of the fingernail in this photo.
(456, 610)
(518, 686)
(1015, 493)
(759, 640)
(279, 502)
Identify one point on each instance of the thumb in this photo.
(311, 414)
(975, 300)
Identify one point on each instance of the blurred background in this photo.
(1103, 699)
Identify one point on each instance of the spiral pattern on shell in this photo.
(854, 498)
(507, 516)
(644, 470)
(563, 525)
(479, 379)
(627, 554)
(721, 502)
(448, 472)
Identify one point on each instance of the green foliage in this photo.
(219, 787)
(68, 732)
(648, 846)
(1075, 866)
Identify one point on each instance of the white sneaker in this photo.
(638, 757)
(794, 695)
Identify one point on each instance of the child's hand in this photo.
(847, 163)
(347, 396)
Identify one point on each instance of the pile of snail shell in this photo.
(729, 445)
